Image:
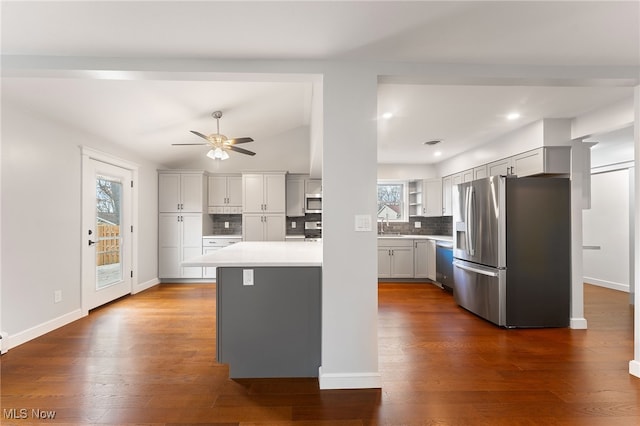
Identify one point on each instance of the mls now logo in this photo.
(24, 413)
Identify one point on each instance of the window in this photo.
(392, 201)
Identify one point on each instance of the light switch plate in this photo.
(363, 222)
(247, 277)
(293, 225)
(226, 224)
(418, 224)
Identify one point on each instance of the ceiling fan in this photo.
(219, 143)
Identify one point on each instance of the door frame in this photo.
(93, 154)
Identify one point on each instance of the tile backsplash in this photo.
(428, 226)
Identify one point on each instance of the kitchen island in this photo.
(268, 302)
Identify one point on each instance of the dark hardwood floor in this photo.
(149, 359)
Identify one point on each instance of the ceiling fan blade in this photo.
(175, 144)
(199, 134)
(236, 141)
(240, 150)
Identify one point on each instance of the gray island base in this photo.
(272, 327)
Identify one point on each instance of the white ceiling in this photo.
(148, 115)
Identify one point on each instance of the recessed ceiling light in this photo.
(513, 116)
(437, 153)
(387, 115)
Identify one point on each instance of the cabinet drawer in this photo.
(395, 242)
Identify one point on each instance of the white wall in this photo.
(606, 225)
(41, 212)
(406, 171)
(547, 132)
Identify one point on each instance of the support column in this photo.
(349, 281)
(578, 321)
(634, 365)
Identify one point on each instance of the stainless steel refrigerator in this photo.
(512, 250)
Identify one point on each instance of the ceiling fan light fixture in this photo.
(217, 154)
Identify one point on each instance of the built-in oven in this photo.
(313, 203)
(312, 230)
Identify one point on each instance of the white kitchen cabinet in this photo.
(313, 186)
(447, 186)
(502, 167)
(181, 191)
(467, 175)
(225, 194)
(395, 258)
(545, 160)
(263, 227)
(295, 196)
(179, 238)
(211, 244)
(425, 259)
(263, 193)
(480, 172)
(432, 189)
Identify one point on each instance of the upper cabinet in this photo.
(546, 160)
(295, 195)
(263, 192)
(225, 194)
(313, 186)
(181, 191)
(425, 197)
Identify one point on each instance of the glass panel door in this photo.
(109, 270)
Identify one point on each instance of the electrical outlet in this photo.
(293, 225)
(57, 296)
(418, 224)
(226, 224)
(247, 277)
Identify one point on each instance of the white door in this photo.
(107, 227)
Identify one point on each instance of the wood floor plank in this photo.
(149, 359)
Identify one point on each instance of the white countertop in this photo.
(416, 237)
(262, 253)
(223, 236)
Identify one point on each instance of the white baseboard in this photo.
(349, 380)
(44, 328)
(4, 342)
(607, 284)
(634, 368)
(578, 323)
(144, 286)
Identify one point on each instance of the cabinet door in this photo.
(456, 179)
(252, 227)
(234, 191)
(467, 175)
(191, 192)
(447, 186)
(209, 271)
(402, 262)
(313, 186)
(274, 193)
(528, 163)
(480, 172)
(191, 240)
(295, 197)
(420, 260)
(433, 197)
(500, 167)
(169, 249)
(274, 227)
(168, 192)
(384, 263)
(252, 193)
(431, 260)
(217, 191)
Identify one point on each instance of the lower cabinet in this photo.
(263, 227)
(179, 238)
(211, 244)
(395, 258)
(424, 259)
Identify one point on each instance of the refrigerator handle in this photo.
(476, 270)
(470, 220)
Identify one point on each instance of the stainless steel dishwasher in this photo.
(444, 265)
